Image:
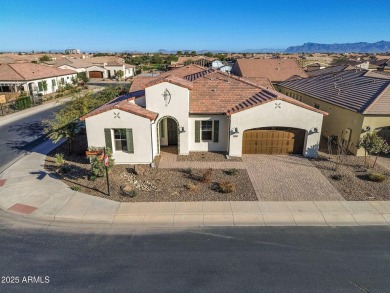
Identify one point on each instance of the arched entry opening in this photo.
(273, 141)
(168, 135)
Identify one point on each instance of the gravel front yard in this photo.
(354, 184)
(161, 184)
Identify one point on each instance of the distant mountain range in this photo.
(361, 47)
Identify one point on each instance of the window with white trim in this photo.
(120, 139)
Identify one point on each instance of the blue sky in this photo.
(114, 25)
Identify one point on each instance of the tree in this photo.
(119, 74)
(372, 145)
(208, 54)
(179, 53)
(44, 58)
(83, 76)
(193, 53)
(66, 123)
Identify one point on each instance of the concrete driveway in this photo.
(288, 178)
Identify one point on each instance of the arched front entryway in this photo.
(168, 135)
(273, 141)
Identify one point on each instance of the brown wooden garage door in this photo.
(95, 74)
(273, 141)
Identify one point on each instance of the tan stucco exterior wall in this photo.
(338, 120)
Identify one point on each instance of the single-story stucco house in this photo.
(197, 109)
(357, 101)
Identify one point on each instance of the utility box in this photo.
(347, 134)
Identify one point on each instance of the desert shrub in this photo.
(191, 186)
(336, 176)
(92, 178)
(75, 188)
(206, 177)
(188, 171)
(65, 169)
(227, 186)
(376, 177)
(22, 103)
(98, 168)
(232, 172)
(59, 160)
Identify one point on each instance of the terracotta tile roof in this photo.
(125, 104)
(261, 81)
(350, 89)
(140, 82)
(276, 70)
(29, 71)
(221, 93)
(171, 79)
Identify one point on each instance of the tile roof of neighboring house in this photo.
(140, 82)
(104, 59)
(75, 63)
(123, 104)
(330, 69)
(275, 70)
(171, 79)
(29, 71)
(351, 89)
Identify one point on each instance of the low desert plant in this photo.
(92, 178)
(75, 188)
(65, 169)
(376, 177)
(227, 186)
(337, 176)
(59, 160)
(188, 171)
(206, 177)
(232, 172)
(191, 186)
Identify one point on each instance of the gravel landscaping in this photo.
(351, 177)
(208, 157)
(152, 184)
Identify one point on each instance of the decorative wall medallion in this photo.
(278, 105)
(116, 115)
(167, 97)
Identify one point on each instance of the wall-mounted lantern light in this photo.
(234, 130)
(181, 129)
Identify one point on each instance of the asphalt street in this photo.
(17, 137)
(278, 259)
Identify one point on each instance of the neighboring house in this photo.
(72, 51)
(198, 109)
(327, 70)
(113, 67)
(33, 78)
(356, 102)
(96, 70)
(314, 67)
(276, 70)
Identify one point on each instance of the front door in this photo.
(172, 131)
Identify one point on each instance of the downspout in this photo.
(228, 146)
(151, 143)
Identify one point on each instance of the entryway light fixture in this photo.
(234, 130)
(313, 130)
(182, 129)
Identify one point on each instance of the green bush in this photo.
(59, 159)
(75, 188)
(98, 168)
(376, 177)
(22, 103)
(232, 172)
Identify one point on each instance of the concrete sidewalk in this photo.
(28, 190)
